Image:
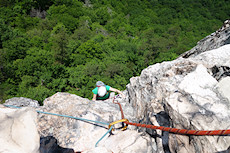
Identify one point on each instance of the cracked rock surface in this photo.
(189, 93)
(81, 135)
(18, 131)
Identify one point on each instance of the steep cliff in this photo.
(188, 93)
(191, 92)
(217, 39)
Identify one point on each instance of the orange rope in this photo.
(174, 130)
(181, 131)
(122, 114)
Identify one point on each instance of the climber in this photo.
(101, 91)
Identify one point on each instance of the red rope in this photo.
(181, 131)
(122, 114)
(174, 130)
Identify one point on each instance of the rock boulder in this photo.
(18, 131)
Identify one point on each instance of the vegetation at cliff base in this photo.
(67, 45)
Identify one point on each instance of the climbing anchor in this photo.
(122, 120)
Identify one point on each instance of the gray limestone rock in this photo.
(83, 135)
(185, 94)
(217, 39)
(224, 87)
(22, 102)
(18, 131)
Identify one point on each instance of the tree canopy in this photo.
(68, 45)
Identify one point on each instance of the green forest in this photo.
(50, 46)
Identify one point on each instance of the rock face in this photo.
(217, 39)
(22, 102)
(83, 135)
(18, 132)
(186, 94)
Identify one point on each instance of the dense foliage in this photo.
(67, 45)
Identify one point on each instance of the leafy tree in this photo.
(102, 15)
(2, 78)
(4, 32)
(16, 47)
(26, 83)
(65, 15)
(69, 3)
(4, 3)
(43, 4)
(59, 42)
(80, 42)
(117, 22)
(94, 67)
(91, 50)
(23, 6)
(113, 69)
(165, 56)
(34, 64)
(82, 34)
(23, 22)
(38, 93)
(85, 22)
(99, 29)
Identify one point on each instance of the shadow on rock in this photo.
(163, 119)
(225, 151)
(49, 145)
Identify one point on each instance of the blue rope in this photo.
(104, 135)
(12, 106)
(104, 123)
(77, 118)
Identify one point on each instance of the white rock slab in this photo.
(18, 131)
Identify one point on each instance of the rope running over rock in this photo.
(174, 130)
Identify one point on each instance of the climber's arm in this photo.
(116, 90)
(94, 97)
